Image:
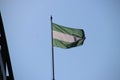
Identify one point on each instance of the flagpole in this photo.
(2, 66)
(53, 71)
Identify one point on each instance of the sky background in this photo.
(28, 32)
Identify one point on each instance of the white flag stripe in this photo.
(65, 37)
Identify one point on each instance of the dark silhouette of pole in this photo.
(5, 53)
(53, 71)
(2, 70)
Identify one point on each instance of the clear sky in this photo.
(28, 31)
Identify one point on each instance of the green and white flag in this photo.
(65, 37)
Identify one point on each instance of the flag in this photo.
(65, 37)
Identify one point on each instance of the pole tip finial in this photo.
(51, 17)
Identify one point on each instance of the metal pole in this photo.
(53, 72)
(4, 52)
(2, 66)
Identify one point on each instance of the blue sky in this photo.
(27, 27)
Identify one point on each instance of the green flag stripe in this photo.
(67, 45)
(70, 31)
